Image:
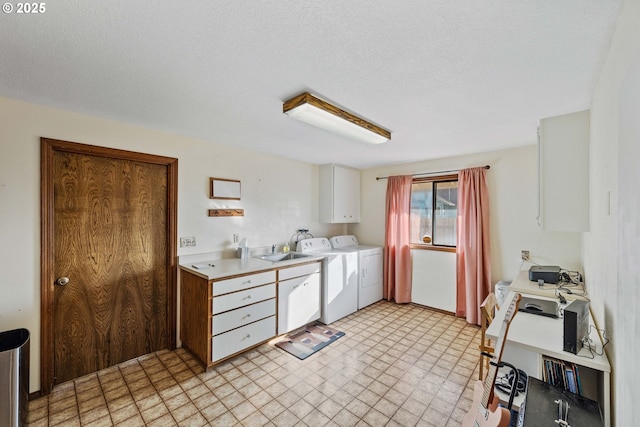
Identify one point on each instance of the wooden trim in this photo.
(439, 310)
(439, 178)
(46, 267)
(226, 212)
(47, 149)
(114, 153)
(172, 249)
(307, 98)
(195, 312)
(432, 248)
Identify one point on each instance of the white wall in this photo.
(611, 249)
(278, 196)
(513, 190)
(434, 279)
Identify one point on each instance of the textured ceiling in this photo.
(446, 77)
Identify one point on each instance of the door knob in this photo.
(61, 281)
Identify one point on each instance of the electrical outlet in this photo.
(524, 255)
(236, 237)
(188, 242)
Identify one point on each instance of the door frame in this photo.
(47, 245)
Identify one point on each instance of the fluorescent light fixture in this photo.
(316, 112)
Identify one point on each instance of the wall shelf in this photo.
(226, 212)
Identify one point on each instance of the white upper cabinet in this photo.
(564, 172)
(339, 194)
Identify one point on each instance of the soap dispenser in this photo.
(285, 247)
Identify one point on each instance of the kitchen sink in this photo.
(281, 257)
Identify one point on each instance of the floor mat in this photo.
(309, 341)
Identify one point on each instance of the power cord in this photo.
(571, 282)
(593, 348)
(560, 297)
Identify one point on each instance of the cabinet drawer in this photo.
(243, 282)
(232, 319)
(226, 344)
(301, 270)
(240, 299)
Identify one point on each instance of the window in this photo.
(433, 219)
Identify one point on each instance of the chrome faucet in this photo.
(273, 248)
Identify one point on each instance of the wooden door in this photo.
(109, 228)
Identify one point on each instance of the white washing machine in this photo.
(369, 267)
(339, 278)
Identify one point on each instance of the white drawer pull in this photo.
(248, 315)
(247, 297)
(248, 336)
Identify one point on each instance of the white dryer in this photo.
(369, 268)
(339, 278)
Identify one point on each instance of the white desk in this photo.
(531, 336)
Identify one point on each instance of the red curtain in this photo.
(473, 261)
(397, 252)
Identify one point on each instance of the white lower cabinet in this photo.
(225, 316)
(298, 297)
(234, 341)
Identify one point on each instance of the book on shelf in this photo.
(571, 380)
(562, 374)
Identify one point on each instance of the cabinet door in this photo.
(286, 305)
(346, 194)
(371, 287)
(309, 299)
(298, 302)
(371, 268)
(339, 194)
(564, 172)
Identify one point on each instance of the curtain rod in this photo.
(432, 173)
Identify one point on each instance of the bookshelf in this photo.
(568, 376)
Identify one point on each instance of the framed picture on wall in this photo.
(226, 189)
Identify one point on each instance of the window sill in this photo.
(432, 247)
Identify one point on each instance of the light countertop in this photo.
(218, 268)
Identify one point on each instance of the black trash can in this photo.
(14, 377)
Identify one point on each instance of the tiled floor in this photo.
(397, 365)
